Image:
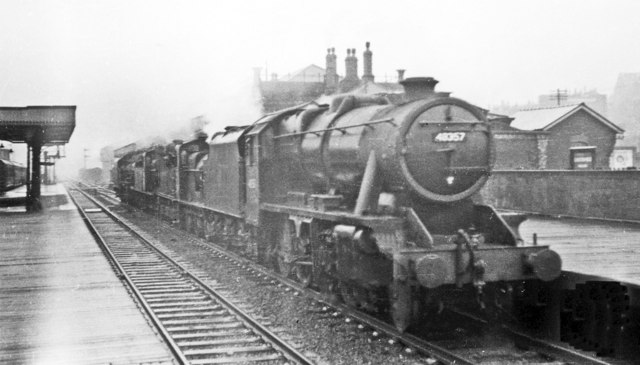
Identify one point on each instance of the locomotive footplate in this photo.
(338, 216)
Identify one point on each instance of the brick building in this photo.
(555, 138)
(312, 82)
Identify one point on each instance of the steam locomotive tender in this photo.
(365, 197)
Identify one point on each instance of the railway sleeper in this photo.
(229, 350)
(209, 320)
(267, 358)
(192, 314)
(238, 340)
(203, 327)
(214, 333)
(189, 309)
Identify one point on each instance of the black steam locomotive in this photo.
(369, 198)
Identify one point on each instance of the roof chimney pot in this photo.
(367, 56)
(331, 73)
(351, 79)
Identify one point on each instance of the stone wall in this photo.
(589, 193)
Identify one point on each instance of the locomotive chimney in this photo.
(331, 75)
(419, 87)
(367, 73)
(400, 75)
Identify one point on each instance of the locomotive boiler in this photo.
(367, 198)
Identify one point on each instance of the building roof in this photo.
(51, 124)
(371, 88)
(311, 73)
(545, 118)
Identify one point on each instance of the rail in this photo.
(286, 349)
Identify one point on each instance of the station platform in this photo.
(593, 248)
(51, 196)
(60, 301)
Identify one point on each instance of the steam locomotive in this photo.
(368, 198)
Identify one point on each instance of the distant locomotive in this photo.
(368, 198)
(12, 175)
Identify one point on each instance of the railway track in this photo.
(439, 351)
(443, 349)
(199, 325)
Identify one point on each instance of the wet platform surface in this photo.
(60, 301)
(52, 197)
(597, 248)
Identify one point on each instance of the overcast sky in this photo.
(134, 65)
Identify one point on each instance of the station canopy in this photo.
(48, 124)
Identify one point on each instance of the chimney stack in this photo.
(400, 75)
(331, 75)
(367, 73)
(351, 65)
(351, 80)
(419, 87)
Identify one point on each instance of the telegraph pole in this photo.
(558, 95)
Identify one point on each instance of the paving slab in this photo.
(60, 301)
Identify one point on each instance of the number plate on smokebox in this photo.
(450, 137)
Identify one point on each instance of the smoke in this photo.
(208, 103)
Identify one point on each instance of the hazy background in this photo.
(136, 68)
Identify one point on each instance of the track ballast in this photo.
(199, 325)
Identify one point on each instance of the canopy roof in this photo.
(53, 124)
